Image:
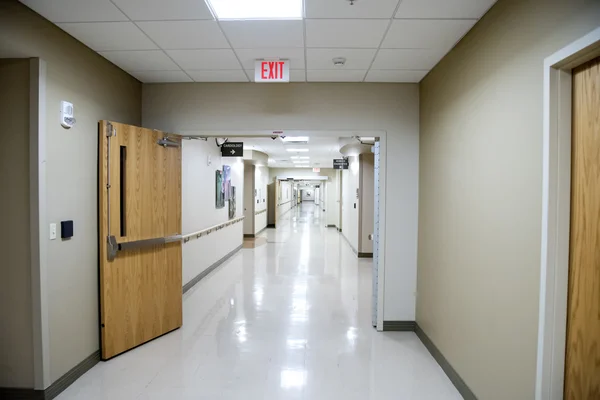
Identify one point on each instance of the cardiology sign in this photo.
(272, 71)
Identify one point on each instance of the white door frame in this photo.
(556, 196)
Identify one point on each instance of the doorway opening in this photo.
(286, 171)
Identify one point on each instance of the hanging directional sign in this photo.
(232, 149)
(340, 163)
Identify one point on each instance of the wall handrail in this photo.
(197, 235)
(260, 212)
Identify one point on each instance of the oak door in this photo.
(582, 363)
(140, 220)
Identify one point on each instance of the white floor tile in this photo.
(289, 319)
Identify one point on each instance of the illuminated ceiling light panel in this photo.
(367, 138)
(293, 139)
(300, 158)
(297, 150)
(257, 9)
(300, 161)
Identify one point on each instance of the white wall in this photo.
(249, 202)
(260, 183)
(393, 108)
(350, 185)
(198, 206)
(284, 201)
(332, 203)
(308, 194)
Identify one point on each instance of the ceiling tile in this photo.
(354, 33)
(443, 8)
(378, 75)
(355, 58)
(218, 76)
(248, 56)
(102, 36)
(141, 60)
(261, 34)
(343, 9)
(426, 34)
(185, 34)
(296, 75)
(160, 10)
(76, 10)
(335, 75)
(161, 76)
(407, 58)
(209, 59)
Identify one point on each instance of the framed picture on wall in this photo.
(232, 206)
(220, 193)
(227, 181)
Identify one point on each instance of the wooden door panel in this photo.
(582, 362)
(140, 289)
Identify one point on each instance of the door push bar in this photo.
(114, 247)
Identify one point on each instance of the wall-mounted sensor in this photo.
(66, 229)
(67, 115)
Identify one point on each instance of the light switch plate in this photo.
(52, 231)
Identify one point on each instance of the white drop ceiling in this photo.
(322, 151)
(180, 41)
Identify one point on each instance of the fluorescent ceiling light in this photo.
(300, 161)
(297, 150)
(302, 166)
(256, 9)
(300, 158)
(292, 139)
(367, 138)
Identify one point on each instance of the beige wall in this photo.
(367, 202)
(480, 192)
(16, 331)
(393, 108)
(98, 90)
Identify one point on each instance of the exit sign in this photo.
(272, 71)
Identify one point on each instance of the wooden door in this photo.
(139, 200)
(582, 364)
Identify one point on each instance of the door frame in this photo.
(382, 135)
(556, 212)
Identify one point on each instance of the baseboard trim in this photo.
(21, 394)
(365, 255)
(210, 269)
(57, 387)
(249, 235)
(271, 226)
(399, 326)
(454, 377)
(331, 226)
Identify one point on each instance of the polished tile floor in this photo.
(286, 318)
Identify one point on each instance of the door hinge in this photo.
(110, 130)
